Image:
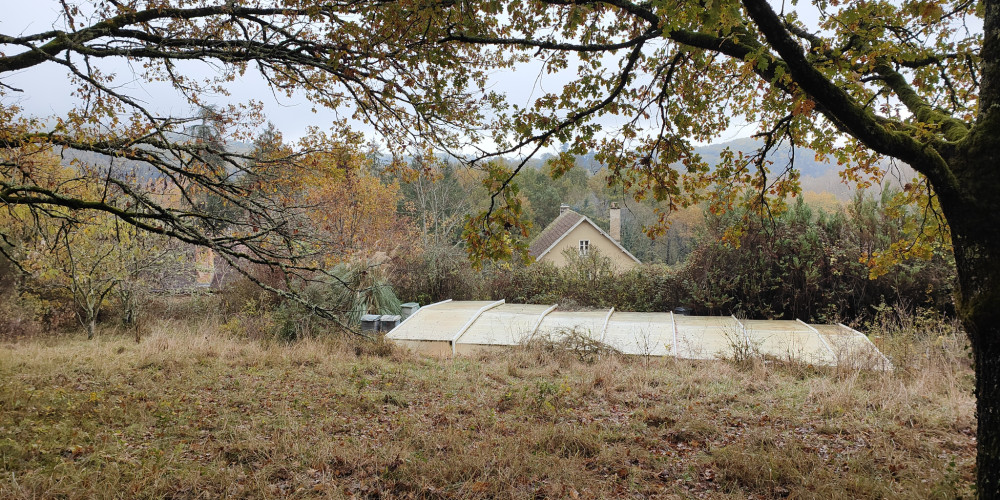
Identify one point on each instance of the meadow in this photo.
(195, 411)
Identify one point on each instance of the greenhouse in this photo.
(465, 327)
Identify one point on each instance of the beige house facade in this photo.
(576, 233)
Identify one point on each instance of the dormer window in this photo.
(584, 248)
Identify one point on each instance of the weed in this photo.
(743, 349)
(550, 396)
(577, 343)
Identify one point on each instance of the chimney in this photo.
(563, 208)
(616, 222)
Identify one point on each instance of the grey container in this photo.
(388, 322)
(369, 323)
(406, 310)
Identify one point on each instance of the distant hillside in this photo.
(818, 176)
(805, 159)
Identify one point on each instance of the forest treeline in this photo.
(393, 230)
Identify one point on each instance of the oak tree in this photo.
(859, 82)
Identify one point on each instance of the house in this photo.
(576, 232)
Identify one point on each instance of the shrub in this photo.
(359, 289)
(243, 296)
(436, 274)
(22, 316)
(808, 265)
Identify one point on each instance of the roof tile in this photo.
(553, 231)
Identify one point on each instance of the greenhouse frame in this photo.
(451, 328)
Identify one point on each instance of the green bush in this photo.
(808, 265)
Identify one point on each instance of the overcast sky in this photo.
(47, 90)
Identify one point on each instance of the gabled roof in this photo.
(564, 224)
(554, 232)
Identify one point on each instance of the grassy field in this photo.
(192, 413)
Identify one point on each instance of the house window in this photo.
(584, 248)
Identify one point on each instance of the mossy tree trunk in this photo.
(988, 413)
(978, 300)
(974, 217)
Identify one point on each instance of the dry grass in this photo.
(190, 413)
